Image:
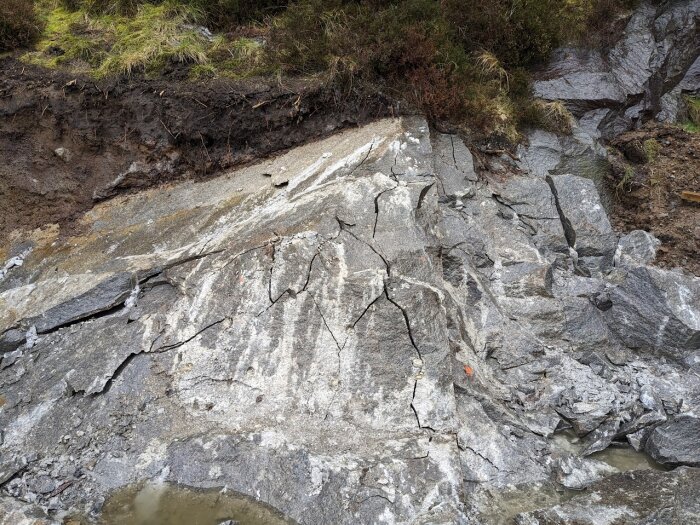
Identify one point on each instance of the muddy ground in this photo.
(651, 168)
(68, 142)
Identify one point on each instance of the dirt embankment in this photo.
(67, 142)
(652, 167)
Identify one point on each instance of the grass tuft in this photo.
(693, 105)
(651, 148)
(155, 36)
(108, 44)
(552, 116)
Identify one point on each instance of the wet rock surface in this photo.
(360, 331)
(644, 497)
(642, 77)
(655, 56)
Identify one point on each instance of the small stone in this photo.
(43, 484)
(9, 341)
(64, 154)
(10, 358)
(635, 248)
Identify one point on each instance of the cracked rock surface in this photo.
(360, 331)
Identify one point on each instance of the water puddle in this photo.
(163, 504)
(625, 459)
(622, 457)
(505, 505)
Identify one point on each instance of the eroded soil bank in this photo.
(652, 167)
(68, 142)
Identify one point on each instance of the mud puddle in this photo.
(622, 457)
(625, 459)
(507, 504)
(163, 504)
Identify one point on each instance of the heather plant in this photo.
(19, 24)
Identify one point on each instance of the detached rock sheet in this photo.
(359, 331)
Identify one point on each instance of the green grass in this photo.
(624, 183)
(652, 148)
(110, 43)
(693, 124)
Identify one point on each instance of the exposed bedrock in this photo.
(644, 76)
(359, 331)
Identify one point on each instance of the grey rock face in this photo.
(106, 295)
(644, 76)
(265, 339)
(676, 442)
(657, 49)
(384, 338)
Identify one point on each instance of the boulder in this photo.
(653, 310)
(676, 442)
(585, 221)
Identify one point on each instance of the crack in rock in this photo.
(569, 231)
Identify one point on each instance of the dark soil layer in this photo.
(652, 167)
(68, 142)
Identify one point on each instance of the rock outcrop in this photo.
(655, 59)
(644, 76)
(359, 331)
(365, 330)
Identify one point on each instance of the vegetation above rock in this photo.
(463, 61)
(693, 123)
